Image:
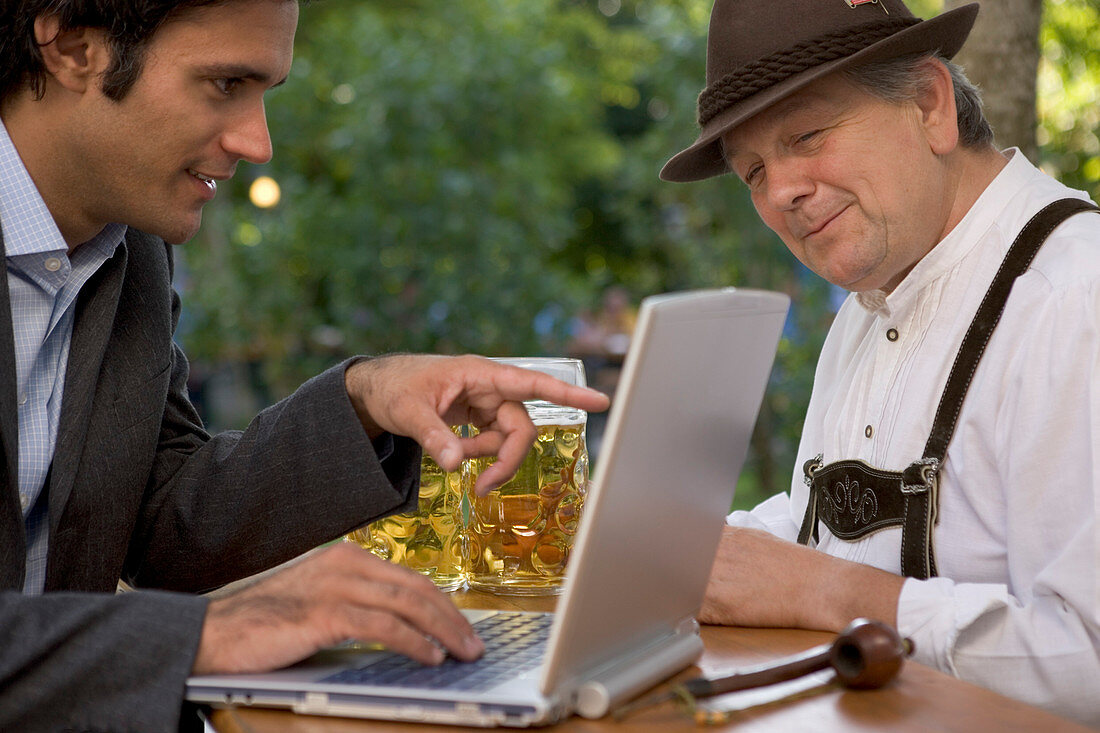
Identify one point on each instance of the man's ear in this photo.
(74, 58)
(938, 116)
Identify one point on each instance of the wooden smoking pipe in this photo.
(865, 655)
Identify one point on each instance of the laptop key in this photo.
(514, 643)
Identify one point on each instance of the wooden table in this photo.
(920, 699)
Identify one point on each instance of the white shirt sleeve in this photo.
(773, 515)
(1035, 637)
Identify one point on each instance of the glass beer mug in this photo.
(520, 535)
(429, 540)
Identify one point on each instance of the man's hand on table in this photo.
(759, 579)
(342, 592)
(422, 396)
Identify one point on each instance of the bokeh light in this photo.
(264, 192)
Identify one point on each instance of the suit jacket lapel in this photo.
(12, 538)
(95, 316)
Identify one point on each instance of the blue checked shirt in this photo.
(43, 282)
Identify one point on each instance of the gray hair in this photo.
(905, 78)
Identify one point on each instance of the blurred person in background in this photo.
(600, 340)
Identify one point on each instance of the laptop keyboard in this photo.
(514, 643)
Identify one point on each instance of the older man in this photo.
(947, 476)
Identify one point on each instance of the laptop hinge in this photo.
(614, 685)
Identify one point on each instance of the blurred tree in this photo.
(1001, 56)
(467, 176)
(427, 154)
(1054, 114)
(1069, 93)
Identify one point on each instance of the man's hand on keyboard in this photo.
(515, 642)
(340, 593)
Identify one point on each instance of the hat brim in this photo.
(945, 33)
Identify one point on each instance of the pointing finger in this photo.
(518, 434)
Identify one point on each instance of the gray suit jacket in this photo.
(139, 491)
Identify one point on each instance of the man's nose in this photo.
(788, 181)
(248, 137)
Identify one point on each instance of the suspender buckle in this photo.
(809, 468)
(920, 476)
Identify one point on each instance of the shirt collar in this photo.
(26, 222)
(971, 230)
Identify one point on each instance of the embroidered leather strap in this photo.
(918, 484)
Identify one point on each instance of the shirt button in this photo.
(892, 334)
(23, 399)
(24, 501)
(53, 264)
(868, 431)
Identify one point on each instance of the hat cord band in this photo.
(776, 67)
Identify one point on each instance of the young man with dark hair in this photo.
(119, 118)
(947, 478)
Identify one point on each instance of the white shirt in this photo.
(1017, 605)
(43, 284)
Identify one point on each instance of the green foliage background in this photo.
(1069, 93)
(467, 176)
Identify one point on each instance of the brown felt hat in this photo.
(760, 51)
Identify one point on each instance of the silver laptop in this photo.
(676, 439)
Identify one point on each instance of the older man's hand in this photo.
(759, 579)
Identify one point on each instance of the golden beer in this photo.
(429, 540)
(520, 535)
